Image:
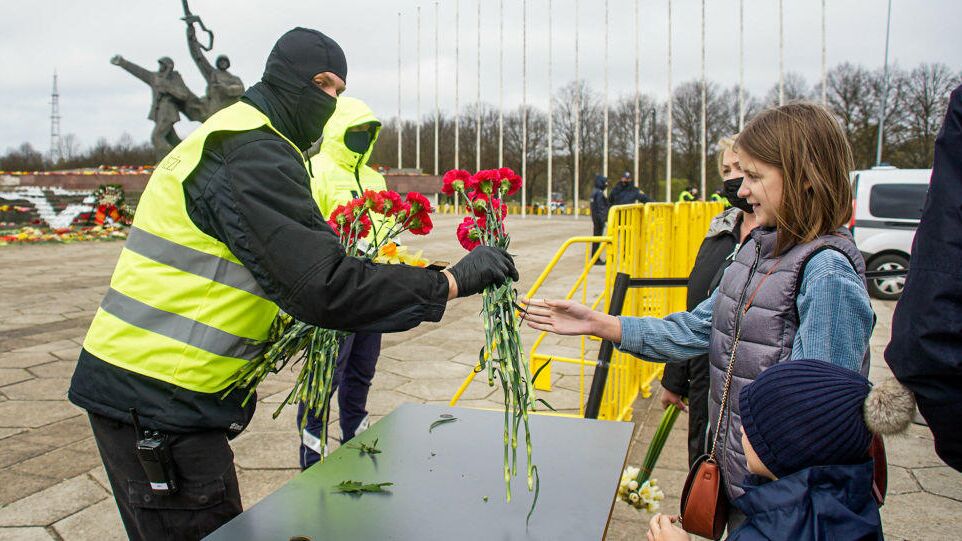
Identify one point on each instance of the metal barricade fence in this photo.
(653, 240)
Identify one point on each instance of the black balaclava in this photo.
(287, 91)
(731, 193)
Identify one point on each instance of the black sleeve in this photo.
(258, 202)
(676, 378)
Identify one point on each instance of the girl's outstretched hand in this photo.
(559, 317)
(570, 318)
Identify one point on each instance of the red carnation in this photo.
(454, 181)
(373, 201)
(421, 224)
(392, 202)
(512, 179)
(418, 203)
(487, 181)
(468, 234)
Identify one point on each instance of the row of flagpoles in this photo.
(524, 85)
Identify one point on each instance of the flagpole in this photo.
(417, 127)
(824, 60)
(704, 105)
(577, 156)
(524, 106)
(477, 101)
(501, 85)
(637, 92)
(550, 145)
(670, 104)
(781, 53)
(605, 134)
(400, 126)
(741, 65)
(437, 98)
(457, 104)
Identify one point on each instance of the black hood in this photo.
(601, 182)
(286, 92)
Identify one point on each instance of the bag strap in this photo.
(724, 401)
(729, 373)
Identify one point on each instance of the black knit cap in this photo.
(804, 413)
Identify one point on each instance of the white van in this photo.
(888, 206)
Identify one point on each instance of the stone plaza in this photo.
(52, 485)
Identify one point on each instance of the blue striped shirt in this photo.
(835, 320)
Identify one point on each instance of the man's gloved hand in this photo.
(484, 266)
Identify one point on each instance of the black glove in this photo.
(484, 266)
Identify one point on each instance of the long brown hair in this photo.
(807, 144)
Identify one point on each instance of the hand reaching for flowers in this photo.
(570, 318)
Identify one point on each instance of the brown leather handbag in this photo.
(704, 505)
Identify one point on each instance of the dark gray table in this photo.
(440, 481)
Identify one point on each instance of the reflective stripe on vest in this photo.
(181, 308)
(193, 261)
(178, 327)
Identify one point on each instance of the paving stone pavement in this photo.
(52, 485)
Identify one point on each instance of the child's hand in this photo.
(570, 318)
(660, 528)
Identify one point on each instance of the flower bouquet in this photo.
(291, 342)
(502, 355)
(636, 487)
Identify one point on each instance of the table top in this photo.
(441, 479)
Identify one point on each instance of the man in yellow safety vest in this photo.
(227, 234)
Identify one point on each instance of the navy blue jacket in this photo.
(822, 503)
(599, 201)
(625, 194)
(925, 352)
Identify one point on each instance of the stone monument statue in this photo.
(170, 97)
(223, 87)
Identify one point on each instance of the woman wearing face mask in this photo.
(795, 290)
(689, 377)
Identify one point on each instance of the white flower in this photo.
(633, 485)
(633, 497)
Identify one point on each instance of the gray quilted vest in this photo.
(767, 329)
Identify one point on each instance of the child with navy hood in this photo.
(807, 426)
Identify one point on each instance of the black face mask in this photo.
(731, 193)
(357, 141)
(313, 109)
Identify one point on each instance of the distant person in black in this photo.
(626, 193)
(599, 211)
(726, 233)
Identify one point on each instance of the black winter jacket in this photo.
(925, 352)
(625, 194)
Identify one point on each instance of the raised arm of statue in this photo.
(135, 70)
(197, 53)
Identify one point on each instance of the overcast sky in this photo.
(98, 99)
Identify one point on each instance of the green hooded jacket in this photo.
(340, 174)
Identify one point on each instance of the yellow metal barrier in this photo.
(654, 240)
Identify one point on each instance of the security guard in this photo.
(225, 236)
(687, 195)
(341, 173)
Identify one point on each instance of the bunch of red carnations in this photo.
(502, 356)
(386, 215)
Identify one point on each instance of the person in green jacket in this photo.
(341, 174)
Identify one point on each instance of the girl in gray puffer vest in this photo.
(795, 290)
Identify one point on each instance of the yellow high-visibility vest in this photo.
(181, 308)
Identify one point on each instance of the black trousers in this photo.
(598, 228)
(208, 495)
